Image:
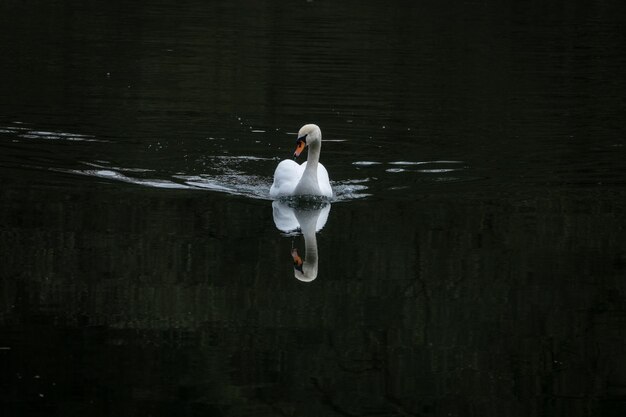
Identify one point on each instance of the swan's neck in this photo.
(308, 184)
(313, 158)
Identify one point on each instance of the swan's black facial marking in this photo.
(302, 138)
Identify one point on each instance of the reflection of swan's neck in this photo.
(308, 222)
(288, 219)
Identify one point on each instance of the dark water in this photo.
(473, 262)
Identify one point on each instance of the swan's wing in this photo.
(286, 177)
(324, 181)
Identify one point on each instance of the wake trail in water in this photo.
(209, 165)
(212, 171)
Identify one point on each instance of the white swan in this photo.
(309, 178)
(289, 219)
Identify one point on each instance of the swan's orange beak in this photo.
(300, 145)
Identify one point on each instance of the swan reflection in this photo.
(308, 219)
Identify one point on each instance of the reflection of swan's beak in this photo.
(297, 260)
(300, 145)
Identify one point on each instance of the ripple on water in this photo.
(103, 165)
(425, 162)
(365, 163)
(25, 132)
(406, 166)
(118, 176)
(246, 185)
(437, 170)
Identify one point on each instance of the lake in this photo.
(472, 261)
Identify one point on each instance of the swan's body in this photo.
(308, 178)
(291, 178)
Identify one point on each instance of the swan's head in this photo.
(303, 271)
(308, 135)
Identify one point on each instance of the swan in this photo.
(309, 178)
(289, 219)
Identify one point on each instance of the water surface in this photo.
(471, 263)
